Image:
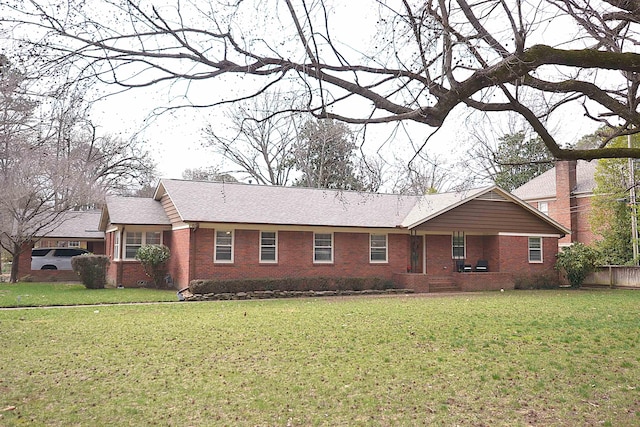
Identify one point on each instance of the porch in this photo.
(454, 282)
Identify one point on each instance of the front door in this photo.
(417, 250)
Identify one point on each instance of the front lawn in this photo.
(51, 294)
(516, 358)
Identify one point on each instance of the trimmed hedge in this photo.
(210, 286)
(537, 281)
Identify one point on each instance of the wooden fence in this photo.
(615, 276)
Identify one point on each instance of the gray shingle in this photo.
(79, 225)
(136, 211)
(258, 204)
(544, 185)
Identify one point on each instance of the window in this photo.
(378, 248)
(74, 243)
(543, 207)
(458, 245)
(224, 246)
(268, 246)
(535, 249)
(116, 244)
(323, 247)
(135, 239)
(132, 243)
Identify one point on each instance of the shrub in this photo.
(576, 262)
(537, 281)
(154, 262)
(211, 286)
(92, 270)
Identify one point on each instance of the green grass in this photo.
(52, 294)
(515, 358)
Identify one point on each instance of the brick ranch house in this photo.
(232, 231)
(564, 192)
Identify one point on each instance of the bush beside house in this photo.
(576, 262)
(154, 262)
(92, 270)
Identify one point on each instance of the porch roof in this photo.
(132, 210)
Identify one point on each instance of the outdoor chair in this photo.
(482, 265)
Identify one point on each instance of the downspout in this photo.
(119, 265)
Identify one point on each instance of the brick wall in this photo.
(583, 225)
(179, 243)
(514, 256)
(295, 256)
(565, 207)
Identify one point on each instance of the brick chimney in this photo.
(566, 206)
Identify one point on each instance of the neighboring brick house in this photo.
(564, 192)
(230, 231)
(79, 229)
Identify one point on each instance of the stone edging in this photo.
(186, 295)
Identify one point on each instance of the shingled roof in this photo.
(198, 201)
(133, 210)
(544, 185)
(234, 203)
(81, 225)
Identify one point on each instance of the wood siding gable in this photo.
(170, 209)
(489, 213)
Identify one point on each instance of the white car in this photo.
(54, 258)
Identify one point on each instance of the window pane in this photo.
(134, 238)
(223, 238)
(268, 254)
(152, 238)
(131, 250)
(223, 253)
(268, 238)
(323, 254)
(323, 240)
(378, 254)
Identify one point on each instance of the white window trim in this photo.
(386, 249)
(116, 244)
(529, 250)
(268, 261)
(123, 240)
(215, 247)
(464, 253)
(314, 249)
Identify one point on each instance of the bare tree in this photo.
(50, 164)
(425, 59)
(263, 132)
(424, 174)
(211, 173)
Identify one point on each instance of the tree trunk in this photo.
(15, 264)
